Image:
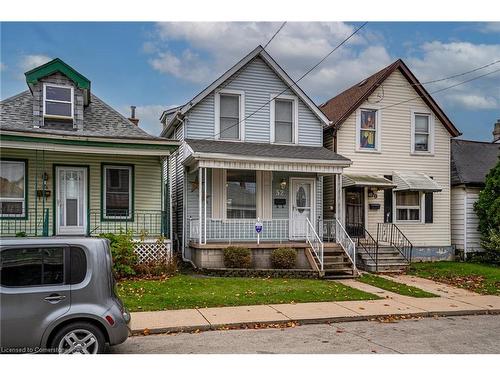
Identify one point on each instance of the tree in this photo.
(487, 209)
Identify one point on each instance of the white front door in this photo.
(302, 193)
(71, 200)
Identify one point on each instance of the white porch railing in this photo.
(315, 242)
(345, 241)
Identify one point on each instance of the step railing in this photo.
(369, 245)
(139, 222)
(315, 242)
(32, 223)
(346, 242)
(391, 234)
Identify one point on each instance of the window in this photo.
(77, 265)
(58, 101)
(241, 194)
(283, 121)
(407, 206)
(229, 116)
(12, 188)
(117, 200)
(368, 137)
(32, 266)
(422, 130)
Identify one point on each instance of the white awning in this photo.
(375, 181)
(414, 181)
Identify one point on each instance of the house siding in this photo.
(457, 216)
(462, 208)
(395, 155)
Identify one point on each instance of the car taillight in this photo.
(110, 320)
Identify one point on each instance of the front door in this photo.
(302, 206)
(355, 211)
(71, 200)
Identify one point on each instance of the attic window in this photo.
(58, 101)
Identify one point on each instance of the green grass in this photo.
(480, 278)
(188, 291)
(395, 287)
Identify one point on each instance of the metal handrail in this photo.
(33, 222)
(370, 246)
(389, 232)
(346, 242)
(139, 222)
(315, 242)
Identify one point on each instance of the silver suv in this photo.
(58, 295)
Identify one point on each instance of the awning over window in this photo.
(367, 180)
(414, 181)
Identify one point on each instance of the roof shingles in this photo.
(471, 161)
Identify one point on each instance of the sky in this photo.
(156, 66)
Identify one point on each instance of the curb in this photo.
(243, 325)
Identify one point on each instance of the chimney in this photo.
(132, 116)
(496, 132)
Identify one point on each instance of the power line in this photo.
(276, 33)
(443, 89)
(294, 82)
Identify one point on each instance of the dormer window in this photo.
(58, 101)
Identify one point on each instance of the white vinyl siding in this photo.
(464, 221)
(395, 155)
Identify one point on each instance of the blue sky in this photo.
(158, 65)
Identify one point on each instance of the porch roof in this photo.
(264, 156)
(415, 181)
(367, 180)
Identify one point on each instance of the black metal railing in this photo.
(32, 223)
(368, 244)
(391, 234)
(139, 222)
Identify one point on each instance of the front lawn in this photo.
(192, 291)
(393, 286)
(480, 278)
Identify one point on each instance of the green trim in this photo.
(54, 198)
(132, 209)
(54, 66)
(21, 138)
(26, 187)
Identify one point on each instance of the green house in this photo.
(72, 165)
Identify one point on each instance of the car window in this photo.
(78, 265)
(32, 266)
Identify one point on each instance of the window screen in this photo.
(229, 116)
(283, 121)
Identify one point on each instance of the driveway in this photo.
(459, 334)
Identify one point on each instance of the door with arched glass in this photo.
(302, 201)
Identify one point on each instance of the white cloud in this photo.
(491, 27)
(148, 115)
(445, 59)
(29, 62)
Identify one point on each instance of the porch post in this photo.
(200, 186)
(205, 207)
(339, 198)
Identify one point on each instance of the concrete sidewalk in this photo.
(451, 301)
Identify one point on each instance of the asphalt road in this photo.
(460, 334)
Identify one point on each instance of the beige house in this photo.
(398, 186)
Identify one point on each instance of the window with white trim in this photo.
(283, 121)
(117, 195)
(229, 119)
(408, 206)
(12, 188)
(422, 132)
(58, 101)
(241, 194)
(368, 137)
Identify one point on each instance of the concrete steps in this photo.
(390, 260)
(336, 263)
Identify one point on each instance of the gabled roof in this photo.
(471, 161)
(54, 66)
(339, 108)
(259, 51)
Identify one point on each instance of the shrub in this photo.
(237, 257)
(156, 268)
(283, 258)
(122, 250)
(487, 209)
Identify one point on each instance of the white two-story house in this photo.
(251, 153)
(397, 190)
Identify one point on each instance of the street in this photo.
(459, 334)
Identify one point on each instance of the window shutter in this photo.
(218, 188)
(429, 207)
(388, 203)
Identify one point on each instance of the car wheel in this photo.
(79, 338)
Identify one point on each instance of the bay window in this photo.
(117, 194)
(12, 188)
(241, 202)
(58, 101)
(408, 206)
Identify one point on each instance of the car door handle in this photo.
(54, 298)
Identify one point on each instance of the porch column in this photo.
(205, 206)
(339, 204)
(200, 199)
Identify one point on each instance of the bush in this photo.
(237, 257)
(487, 209)
(156, 268)
(122, 250)
(283, 258)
